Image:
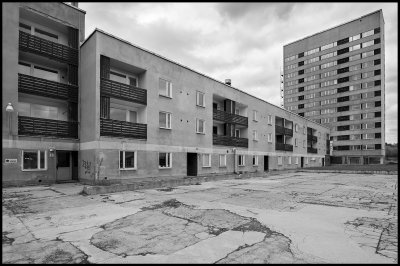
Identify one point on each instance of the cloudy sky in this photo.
(240, 41)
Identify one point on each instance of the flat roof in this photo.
(377, 11)
(77, 8)
(162, 57)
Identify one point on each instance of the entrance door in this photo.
(64, 166)
(301, 162)
(266, 161)
(323, 162)
(192, 164)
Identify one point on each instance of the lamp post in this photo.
(9, 110)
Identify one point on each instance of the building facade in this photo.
(337, 78)
(113, 112)
(40, 91)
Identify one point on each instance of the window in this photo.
(295, 142)
(241, 160)
(255, 137)
(255, 115)
(368, 33)
(280, 160)
(237, 133)
(290, 160)
(269, 119)
(296, 127)
(255, 160)
(269, 137)
(122, 114)
(165, 88)
(306, 160)
(34, 160)
(200, 99)
(43, 111)
(165, 120)
(206, 160)
(164, 160)
(222, 160)
(25, 28)
(200, 126)
(127, 160)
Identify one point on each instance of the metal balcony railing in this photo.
(123, 91)
(230, 118)
(116, 128)
(33, 126)
(230, 141)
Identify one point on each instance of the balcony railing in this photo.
(35, 44)
(116, 128)
(312, 138)
(279, 130)
(47, 88)
(33, 126)
(288, 147)
(288, 131)
(312, 150)
(279, 146)
(123, 91)
(230, 118)
(283, 147)
(230, 141)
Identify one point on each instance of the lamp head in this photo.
(9, 108)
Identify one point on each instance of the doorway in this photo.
(192, 164)
(266, 163)
(63, 166)
(301, 162)
(323, 162)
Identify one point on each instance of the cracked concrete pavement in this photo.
(287, 218)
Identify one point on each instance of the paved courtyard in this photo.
(287, 218)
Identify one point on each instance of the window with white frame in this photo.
(222, 160)
(241, 160)
(280, 160)
(200, 99)
(295, 142)
(200, 126)
(34, 160)
(207, 160)
(164, 160)
(269, 137)
(255, 160)
(255, 113)
(306, 160)
(289, 159)
(165, 88)
(165, 120)
(296, 127)
(255, 136)
(269, 119)
(297, 160)
(127, 160)
(120, 77)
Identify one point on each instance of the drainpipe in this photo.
(234, 161)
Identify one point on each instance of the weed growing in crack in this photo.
(172, 203)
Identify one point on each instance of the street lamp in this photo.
(9, 110)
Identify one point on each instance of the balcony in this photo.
(47, 88)
(33, 126)
(37, 45)
(283, 147)
(279, 130)
(311, 150)
(230, 118)
(230, 141)
(123, 91)
(312, 138)
(116, 128)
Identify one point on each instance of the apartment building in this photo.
(337, 78)
(147, 116)
(40, 90)
(119, 112)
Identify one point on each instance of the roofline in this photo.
(162, 57)
(77, 8)
(377, 11)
